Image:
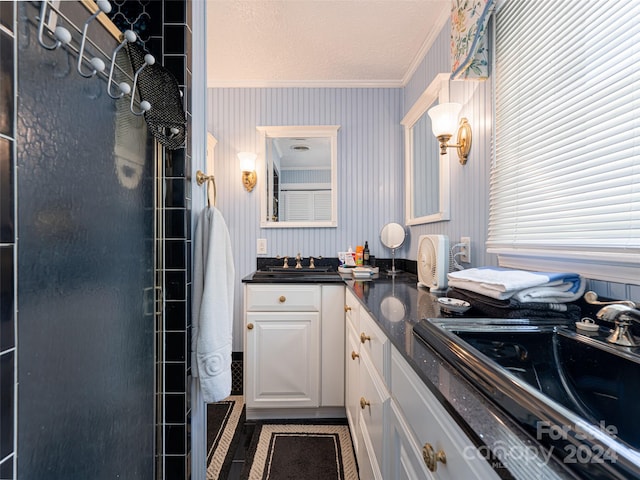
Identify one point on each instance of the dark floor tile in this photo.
(235, 471)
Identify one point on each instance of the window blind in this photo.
(565, 181)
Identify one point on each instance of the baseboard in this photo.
(295, 413)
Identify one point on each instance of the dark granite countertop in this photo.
(396, 303)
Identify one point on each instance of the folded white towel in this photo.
(504, 283)
(561, 292)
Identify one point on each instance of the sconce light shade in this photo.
(248, 168)
(444, 119)
(444, 123)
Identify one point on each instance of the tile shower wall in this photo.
(165, 29)
(174, 15)
(8, 347)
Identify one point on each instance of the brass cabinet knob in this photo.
(282, 299)
(431, 457)
(249, 326)
(354, 355)
(364, 403)
(364, 338)
(347, 308)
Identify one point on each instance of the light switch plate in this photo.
(261, 248)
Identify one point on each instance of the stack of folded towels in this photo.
(508, 293)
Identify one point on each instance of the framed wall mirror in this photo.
(300, 172)
(426, 171)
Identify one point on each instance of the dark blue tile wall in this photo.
(164, 30)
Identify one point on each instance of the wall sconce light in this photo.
(248, 167)
(444, 122)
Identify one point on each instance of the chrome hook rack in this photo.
(128, 37)
(97, 63)
(144, 105)
(62, 35)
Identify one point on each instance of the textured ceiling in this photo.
(263, 43)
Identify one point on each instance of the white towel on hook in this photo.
(212, 316)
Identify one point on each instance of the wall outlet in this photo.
(261, 248)
(465, 250)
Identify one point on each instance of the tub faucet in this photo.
(621, 316)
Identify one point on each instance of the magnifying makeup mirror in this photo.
(392, 236)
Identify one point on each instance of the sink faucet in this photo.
(619, 312)
(621, 316)
(298, 261)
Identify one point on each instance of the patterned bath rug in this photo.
(224, 423)
(292, 452)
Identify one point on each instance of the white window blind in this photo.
(565, 183)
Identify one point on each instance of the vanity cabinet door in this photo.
(352, 385)
(282, 355)
(372, 405)
(405, 462)
(429, 426)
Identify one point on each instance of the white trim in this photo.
(428, 43)
(438, 89)
(199, 144)
(330, 131)
(307, 84)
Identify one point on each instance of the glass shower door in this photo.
(85, 223)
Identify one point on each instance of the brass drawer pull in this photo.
(282, 299)
(364, 403)
(354, 355)
(364, 338)
(431, 457)
(347, 308)
(249, 326)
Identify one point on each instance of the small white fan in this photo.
(433, 261)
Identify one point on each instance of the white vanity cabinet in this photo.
(291, 331)
(366, 392)
(400, 430)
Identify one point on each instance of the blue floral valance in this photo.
(469, 44)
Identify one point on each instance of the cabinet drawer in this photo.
(373, 405)
(431, 424)
(282, 298)
(376, 344)
(352, 311)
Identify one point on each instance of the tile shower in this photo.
(24, 180)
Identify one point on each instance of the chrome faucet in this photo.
(621, 314)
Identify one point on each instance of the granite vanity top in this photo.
(397, 304)
(485, 424)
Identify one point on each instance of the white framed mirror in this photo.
(426, 171)
(301, 176)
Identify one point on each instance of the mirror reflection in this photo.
(427, 172)
(300, 167)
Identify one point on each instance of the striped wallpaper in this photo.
(371, 167)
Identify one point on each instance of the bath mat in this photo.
(292, 452)
(224, 423)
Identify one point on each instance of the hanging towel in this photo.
(503, 283)
(212, 319)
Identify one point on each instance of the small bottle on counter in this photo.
(359, 255)
(365, 254)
